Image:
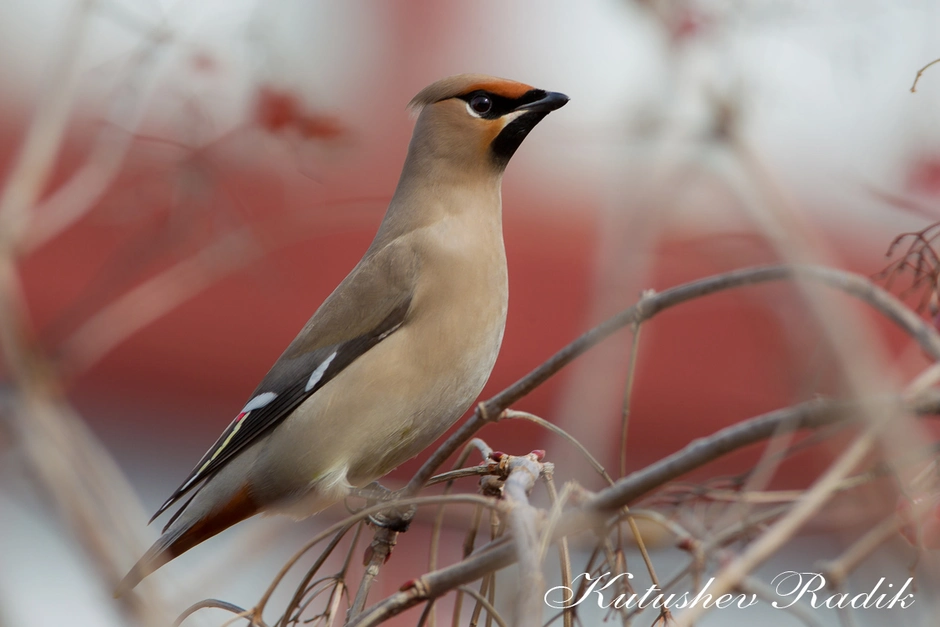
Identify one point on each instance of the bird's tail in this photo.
(185, 533)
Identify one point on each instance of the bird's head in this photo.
(477, 120)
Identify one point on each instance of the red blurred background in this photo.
(285, 122)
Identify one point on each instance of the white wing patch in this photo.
(259, 401)
(256, 403)
(317, 374)
(389, 332)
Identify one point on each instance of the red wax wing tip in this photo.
(408, 584)
(497, 455)
(539, 454)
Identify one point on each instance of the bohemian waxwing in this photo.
(399, 351)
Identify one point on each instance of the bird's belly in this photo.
(337, 439)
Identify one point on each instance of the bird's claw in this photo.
(395, 518)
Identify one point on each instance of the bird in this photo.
(398, 351)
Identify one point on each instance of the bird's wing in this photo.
(369, 305)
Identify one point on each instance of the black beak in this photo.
(551, 101)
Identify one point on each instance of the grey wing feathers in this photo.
(317, 355)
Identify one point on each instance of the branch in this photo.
(34, 162)
(810, 415)
(524, 523)
(853, 284)
(920, 73)
(784, 529)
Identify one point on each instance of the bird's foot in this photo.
(396, 517)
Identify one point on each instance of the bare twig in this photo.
(381, 548)
(563, 554)
(852, 284)
(523, 521)
(511, 414)
(838, 569)
(784, 529)
(920, 73)
(220, 605)
(490, 610)
(810, 415)
(344, 525)
(154, 298)
(33, 165)
(628, 394)
(78, 195)
(476, 443)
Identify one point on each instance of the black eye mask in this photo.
(499, 105)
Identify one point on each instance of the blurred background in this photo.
(224, 164)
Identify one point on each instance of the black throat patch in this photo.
(512, 135)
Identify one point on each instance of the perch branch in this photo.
(810, 415)
(524, 523)
(920, 73)
(852, 284)
(784, 529)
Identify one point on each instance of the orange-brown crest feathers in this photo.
(461, 84)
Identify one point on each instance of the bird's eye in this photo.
(481, 104)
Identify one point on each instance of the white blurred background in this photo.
(218, 115)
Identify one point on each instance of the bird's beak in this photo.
(551, 101)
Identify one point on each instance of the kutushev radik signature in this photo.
(790, 586)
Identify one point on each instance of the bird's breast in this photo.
(461, 299)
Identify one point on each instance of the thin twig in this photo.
(476, 443)
(628, 394)
(564, 556)
(838, 569)
(221, 605)
(383, 542)
(468, 543)
(511, 413)
(490, 610)
(311, 573)
(34, 162)
(784, 529)
(920, 73)
(810, 415)
(854, 285)
(361, 515)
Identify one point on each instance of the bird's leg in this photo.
(389, 523)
